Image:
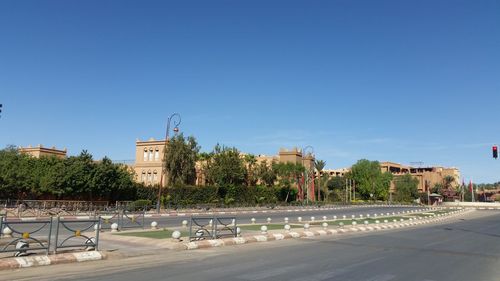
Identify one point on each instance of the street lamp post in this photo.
(177, 122)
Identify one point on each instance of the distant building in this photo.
(293, 155)
(427, 177)
(149, 161)
(40, 151)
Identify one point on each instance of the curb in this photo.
(312, 233)
(23, 262)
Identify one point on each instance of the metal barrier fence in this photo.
(47, 208)
(131, 220)
(26, 237)
(123, 219)
(201, 228)
(72, 234)
(107, 219)
(19, 236)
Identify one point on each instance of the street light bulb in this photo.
(176, 130)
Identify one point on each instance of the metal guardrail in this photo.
(131, 220)
(123, 219)
(19, 238)
(201, 228)
(73, 234)
(108, 218)
(26, 237)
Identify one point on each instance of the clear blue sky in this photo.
(398, 80)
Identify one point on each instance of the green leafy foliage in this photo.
(406, 188)
(369, 179)
(226, 167)
(76, 177)
(180, 160)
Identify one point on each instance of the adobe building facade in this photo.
(149, 161)
(40, 151)
(427, 177)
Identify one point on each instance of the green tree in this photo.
(288, 174)
(369, 179)
(406, 188)
(250, 162)
(319, 165)
(180, 160)
(266, 173)
(226, 167)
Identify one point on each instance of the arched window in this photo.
(145, 154)
(155, 176)
(150, 154)
(150, 178)
(143, 176)
(157, 154)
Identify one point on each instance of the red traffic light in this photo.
(495, 152)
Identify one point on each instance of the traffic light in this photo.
(495, 151)
(0, 110)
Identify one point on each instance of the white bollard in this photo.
(341, 224)
(238, 231)
(114, 227)
(325, 226)
(253, 220)
(176, 235)
(324, 218)
(263, 229)
(154, 225)
(312, 219)
(210, 223)
(334, 218)
(269, 220)
(354, 223)
(366, 222)
(286, 220)
(299, 219)
(7, 232)
(377, 221)
(386, 221)
(287, 227)
(184, 223)
(306, 226)
(344, 217)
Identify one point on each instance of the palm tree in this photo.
(319, 165)
(250, 160)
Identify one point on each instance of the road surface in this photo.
(468, 248)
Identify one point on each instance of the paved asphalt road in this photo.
(176, 221)
(281, 214)
(468, 248)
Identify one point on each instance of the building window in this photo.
(145, 154)
(155, 177)
(149, 177)
(143, 176)
(151, 155)
(157, 154)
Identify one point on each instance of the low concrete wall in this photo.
(471, 204)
